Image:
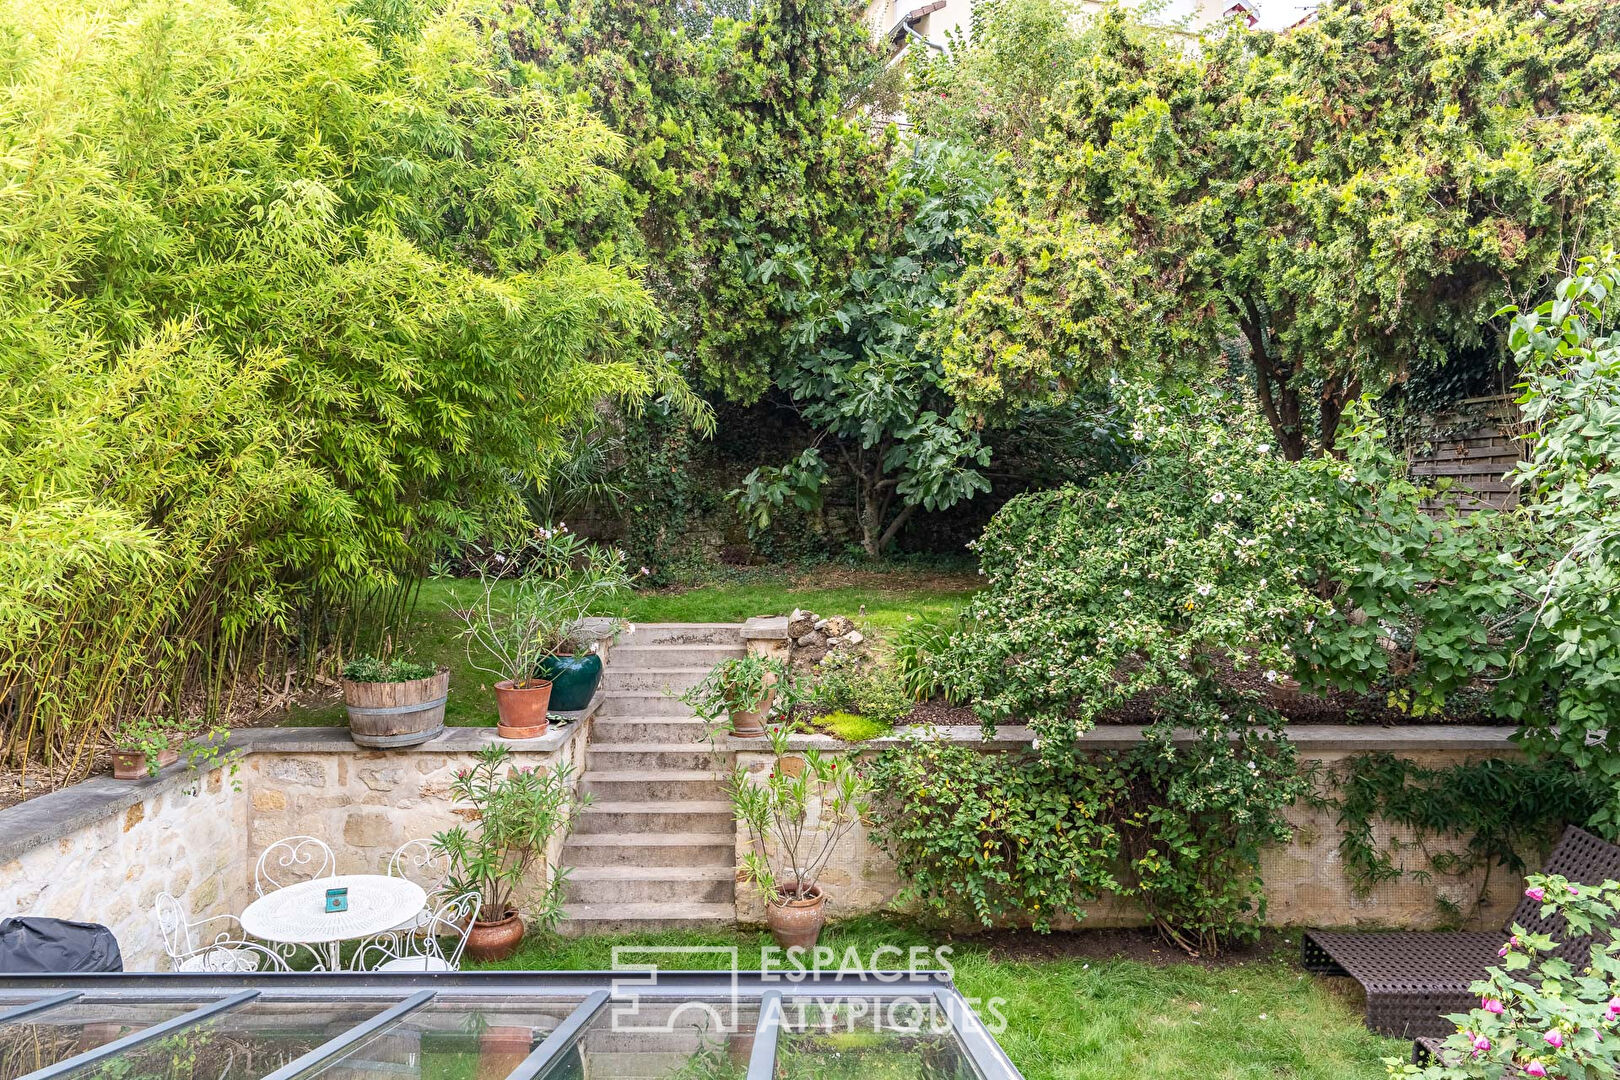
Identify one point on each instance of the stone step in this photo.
(687, 785)
(657, 816)
(654, 729)
(646, 850)
(621, 703)
(655, 680)
(626, 757)
(640, 884)
(634, 655)
(684, 634)
(581, 919)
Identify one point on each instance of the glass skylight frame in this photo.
(24, 997)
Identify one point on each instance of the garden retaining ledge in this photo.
(1306, 882)
(102, 850)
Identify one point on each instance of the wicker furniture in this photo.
(1413, 980)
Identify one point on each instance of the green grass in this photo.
(1090, 1019)
(433, 633)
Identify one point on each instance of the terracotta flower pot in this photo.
(131, 764)
(797, 922)
(522, 708)
(751, 725)
(502, 1049)
(495, 940)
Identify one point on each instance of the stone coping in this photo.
(67, 810)
(765, 628)
(1308, 738)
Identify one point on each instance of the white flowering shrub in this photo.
(1206, 551)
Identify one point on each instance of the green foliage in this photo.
(742, 684)
(739, 156)
(1540, 1013)
(769, 489)
(533, 600)
(917, 647)
(845, 682)
(1201, 553)
(863, 374)
(1178, 825)
(249, 373)
(519, 812)
(796, 816)
(1350, 198)
(1498, 806)
(371, 669)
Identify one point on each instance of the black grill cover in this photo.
(30, 945)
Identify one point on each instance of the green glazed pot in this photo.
(574, 680)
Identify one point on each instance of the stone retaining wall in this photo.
(102, 851)
(1306, 882)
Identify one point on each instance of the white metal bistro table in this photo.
(297, 914)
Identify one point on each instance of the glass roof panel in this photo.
(449, 1040)
(662, 1040)
(248, 1042)
(45, 1038)
(867, 1039)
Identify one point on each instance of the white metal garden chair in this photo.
(422, 949)
(419, 861)
(290, 859)
(213, 944)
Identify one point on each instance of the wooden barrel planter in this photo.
(384, 715)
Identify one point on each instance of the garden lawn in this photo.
(1090, 1019)
(890, 598)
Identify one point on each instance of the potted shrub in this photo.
(532, 603)
(397, 703)
(143, 746)
(516, 813)
(797, 814)
(742, 690)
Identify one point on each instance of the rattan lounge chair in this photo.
(1414, 979)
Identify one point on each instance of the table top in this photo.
(298, 912)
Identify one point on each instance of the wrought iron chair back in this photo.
(419, 861)
(216, 943)
(425, 946)
(292, 859)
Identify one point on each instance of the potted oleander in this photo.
(394, 703)
(743, 690)
(531, 604)
(797, 813)
(516, 812)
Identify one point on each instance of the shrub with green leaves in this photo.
(1205, 551)
(289, 307)
(917, 647)
(847, 682)
(371, 669)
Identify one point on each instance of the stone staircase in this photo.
(655, 850)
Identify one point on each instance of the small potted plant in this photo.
(742, 690)
(796, 814)
(142, 746)
(394, 703)
(533, 601)
(516, 813)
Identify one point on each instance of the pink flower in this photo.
(1481, 1043)
(1574, 890)
(1536, 893)
(1535, 1068)
(1614, 1006)
(1491, 1005)
(1555, 1038)
(1502, 951)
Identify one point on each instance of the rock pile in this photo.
(813, 639)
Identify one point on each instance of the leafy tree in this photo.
(738, 151)
(863, 375)
(1347, 199)
(249, 371)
